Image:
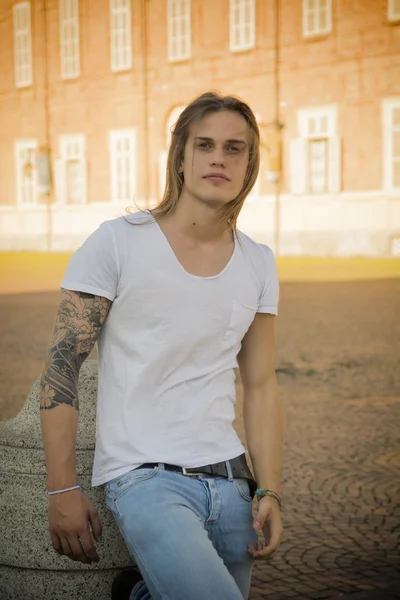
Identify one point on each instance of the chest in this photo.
(198, 259)
(161, 299)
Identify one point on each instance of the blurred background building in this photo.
(95, 86)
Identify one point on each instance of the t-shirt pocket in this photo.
(242, 316)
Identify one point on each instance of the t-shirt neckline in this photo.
(235, 244)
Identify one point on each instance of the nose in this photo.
(217, 157)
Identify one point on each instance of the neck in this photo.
(198, 221)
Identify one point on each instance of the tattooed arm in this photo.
(79, 320)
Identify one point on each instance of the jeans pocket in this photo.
(242, 486)
(120, 485)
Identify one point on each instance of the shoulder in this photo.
(257, 253)
(120, 228)
(124, 220)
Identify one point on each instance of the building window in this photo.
(22, 44)
(242, 24)
(171, 120)
(121, 46)
(70, 171)
(26, 172)
(69, 38)
(317, 17)
(255, 192)
(394, 10)
(392, 145)
(179, 37)
(123, 159)
(316, 154)
(395, 246)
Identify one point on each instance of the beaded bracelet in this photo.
(75, 487)
(262, 493)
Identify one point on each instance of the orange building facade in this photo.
(98, 84)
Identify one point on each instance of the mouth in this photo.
(216, 177)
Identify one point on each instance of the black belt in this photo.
(239, 466)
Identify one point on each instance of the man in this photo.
(177, 299)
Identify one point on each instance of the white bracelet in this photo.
(75, 487)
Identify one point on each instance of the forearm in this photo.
(264, 423)
(80, 318)
(59, 422)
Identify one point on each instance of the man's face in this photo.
(216, 157)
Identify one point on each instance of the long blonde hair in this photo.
(208, 103)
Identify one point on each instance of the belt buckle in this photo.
(184, 472)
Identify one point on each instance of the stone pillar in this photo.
(29, 567)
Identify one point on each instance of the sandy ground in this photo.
(22, 272)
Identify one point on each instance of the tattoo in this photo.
(79, 320)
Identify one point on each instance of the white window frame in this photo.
(388, 159)
(72, 148)
(393, 10)
(317, 10)
(21, 145)
(304, 116)
(242, 33)
(172, 119)
(115, 136)
(255, 192)
(300, 150)
(69, 39)
(179, 30)
(22, 44)
(120, 35)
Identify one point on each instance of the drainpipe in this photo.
(49, 194)
(277, 124)
(145, 105)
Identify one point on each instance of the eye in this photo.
(204, 145)
(233, 149)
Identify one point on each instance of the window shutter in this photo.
(394, 10)
(82, 170)
(120, 35)
(334, 164)
(298, 165)
(22, 44)
(59, 180)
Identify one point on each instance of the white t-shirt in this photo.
(168, 348)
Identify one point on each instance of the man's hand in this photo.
(267, 518)
(72, 521)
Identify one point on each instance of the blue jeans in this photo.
(188, 535)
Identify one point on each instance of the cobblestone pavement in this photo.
(342, 505)
(338, 367)
(342, 452)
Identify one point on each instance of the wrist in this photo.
(61, 480)
(66, 490)
(261, 494)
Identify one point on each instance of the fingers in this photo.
(65, 547)
(56, 542)
(275, 537)
(95, 523)
(72, 523)
(80, 548)
(78, 552)
(262, 551)
(88, 547)
(272, 531)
